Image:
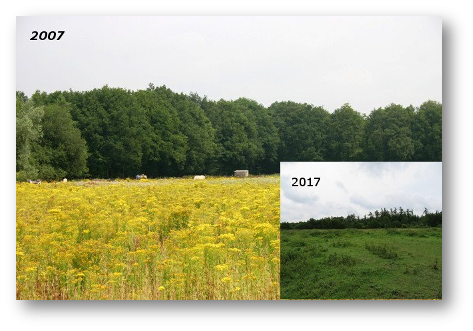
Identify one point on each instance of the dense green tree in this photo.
(199, 133)
(93, 121)
(113, 125)
(388, 134)
(302, 131)
(379, 219)
(164, 146)
(21, 97)
(345, 134)
(236, 133)
(61, 151)
(267, 136)
(428, 132)
(28, 132)
(162, 133)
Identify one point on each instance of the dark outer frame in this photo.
(281, 311)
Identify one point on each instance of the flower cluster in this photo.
(153, 239)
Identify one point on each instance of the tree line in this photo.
(114, 132)
(392, 218)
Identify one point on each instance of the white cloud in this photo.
(359, 187)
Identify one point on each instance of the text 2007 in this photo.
(45, 35)
(309, 181)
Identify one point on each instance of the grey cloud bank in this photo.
(369, 62)
(359, 188)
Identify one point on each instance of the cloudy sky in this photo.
(368, 62)
(359, 187)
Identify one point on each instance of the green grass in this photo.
(361, 264)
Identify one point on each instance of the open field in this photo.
(151, 239)
(361, 264)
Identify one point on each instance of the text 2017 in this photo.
(309, 181)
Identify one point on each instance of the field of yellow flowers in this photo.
(148, 239)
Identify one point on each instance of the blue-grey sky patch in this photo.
(359, 200)
(300, 198)
(340, 184)
(368, 62)
(359, 188)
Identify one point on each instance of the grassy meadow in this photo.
(361, 264)
(149, 239)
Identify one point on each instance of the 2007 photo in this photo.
(148, 154)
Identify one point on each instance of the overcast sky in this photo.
(368, 62)
(359, 187)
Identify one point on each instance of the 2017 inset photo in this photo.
(366, 230)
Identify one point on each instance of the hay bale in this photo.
(241, 173)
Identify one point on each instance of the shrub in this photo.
(383, 251)
(340, 259)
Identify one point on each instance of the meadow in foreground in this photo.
(149, 239)
(361, 264)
